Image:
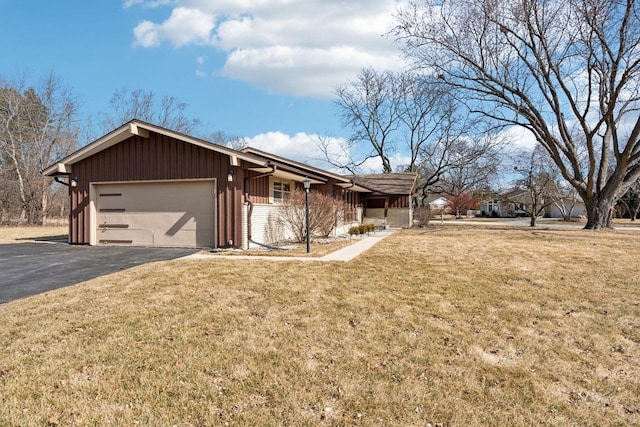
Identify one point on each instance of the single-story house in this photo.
(145, 185)
(516, 202)
(440, 205)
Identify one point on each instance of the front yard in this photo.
(448, 326)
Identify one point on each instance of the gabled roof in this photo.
(140, 128)
(397, 183)
(389, 183)
(306, 170)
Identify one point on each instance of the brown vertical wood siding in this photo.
(258, 188)
(158, 158)
(394, 202)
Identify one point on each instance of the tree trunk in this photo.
(45, 205)
(599, 212)
(533, 221)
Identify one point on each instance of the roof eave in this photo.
(304, 168)
(142, 129)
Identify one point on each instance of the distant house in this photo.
(516, 203)
(440, 206)
(142, 184)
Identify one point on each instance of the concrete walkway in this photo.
(343, 255)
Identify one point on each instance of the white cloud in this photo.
(148, 3)
(299, 47)
(183, 27)
(518, 138)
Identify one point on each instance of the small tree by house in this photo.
(323, 214)
(533, 190)
(462, 203)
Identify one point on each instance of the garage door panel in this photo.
(185, 238)
(160, 214)
(170, 221)
(118, 236)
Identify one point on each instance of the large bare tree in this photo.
(36, 128)
(408, 114)
(566, 70)
(370, 107)
(169, 112)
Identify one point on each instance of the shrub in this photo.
(323, 211)
(366, 228)
(355, 230)
(421, 217)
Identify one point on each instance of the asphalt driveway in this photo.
(32, 268)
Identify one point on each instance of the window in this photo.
(281, 190)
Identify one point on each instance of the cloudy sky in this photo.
(264, 69)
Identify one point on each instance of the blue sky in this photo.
(264, 69)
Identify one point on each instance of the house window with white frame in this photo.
(281, 190)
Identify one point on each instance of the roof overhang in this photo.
(59, 169)
(296, 177)
(143, 130)
(316, 175)
(354, 187)
(280, 171)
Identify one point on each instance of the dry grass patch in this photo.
(11, 234)
(451, 325)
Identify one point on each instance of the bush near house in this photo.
(323, 214)
(362, 229)
(421, 217)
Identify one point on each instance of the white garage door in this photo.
(156, 214)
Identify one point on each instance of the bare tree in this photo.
(565, 198)
(227, 140)
(369, 106)
(531, 194)
(568, 71)
(563, 195)
(406, 113)
(36, 128)
(455, 163)
(631, 201)
(139, 104)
